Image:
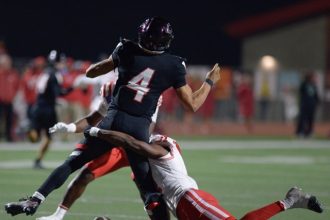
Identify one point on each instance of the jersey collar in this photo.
(150, 51)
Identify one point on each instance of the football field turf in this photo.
(242, 174)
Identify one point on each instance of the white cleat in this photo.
(296, 198)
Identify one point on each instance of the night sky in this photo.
(84, 30)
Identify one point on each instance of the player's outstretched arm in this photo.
(194, 100)
(100, 68)
(78, 126)
(124, 140)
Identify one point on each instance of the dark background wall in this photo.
(85, 29)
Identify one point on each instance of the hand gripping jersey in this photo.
(170, 174)
(106, 93)
(143, 77)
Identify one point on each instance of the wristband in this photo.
(72, 127)
(209, 81)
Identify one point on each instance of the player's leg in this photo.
(42, 151)
(197, 204)
(75, 189)
(35, 126)
(47, 119)
(309, 123)
(300, 123)
(9, 122)
(106, 163)
(138, 127)
(295, 198)
(56, 179)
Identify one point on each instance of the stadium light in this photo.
(268, 63)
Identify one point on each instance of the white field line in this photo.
(86, 214)
(195, 145)
(241, 144)
(276, 159)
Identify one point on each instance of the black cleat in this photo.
(314, 205)
(28, 206)
(38, 165)
(296, 198)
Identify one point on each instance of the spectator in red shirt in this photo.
(9, 84)
(29, 80)
(246, 101)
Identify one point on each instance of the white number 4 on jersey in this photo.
(140, 83)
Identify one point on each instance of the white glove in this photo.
(61, 127)
(93, 131)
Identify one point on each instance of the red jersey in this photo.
(9, 84)
(28, 85)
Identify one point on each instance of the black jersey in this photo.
(143, 77)
(48, 88)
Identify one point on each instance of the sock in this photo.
(38, 196)
(287, 203)
(60, 211)
(266, 212)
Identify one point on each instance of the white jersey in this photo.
(106, 96)
(170, 174)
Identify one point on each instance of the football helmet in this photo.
(55, 57)
(155, 34)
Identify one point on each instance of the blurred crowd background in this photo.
(280, 86)
(240, 101)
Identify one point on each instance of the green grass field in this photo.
(242, 174)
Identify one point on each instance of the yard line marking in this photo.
(26, 164)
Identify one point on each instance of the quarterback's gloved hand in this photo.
(61, 127)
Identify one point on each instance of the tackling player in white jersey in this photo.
(181, 192)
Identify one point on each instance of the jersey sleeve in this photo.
(180, 79)
(121, 53)
(116, 54)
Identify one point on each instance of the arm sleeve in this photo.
(122, 55)
(117, 53)
(180, 79)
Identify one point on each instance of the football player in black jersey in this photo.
(43, 111)
(146, 70)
